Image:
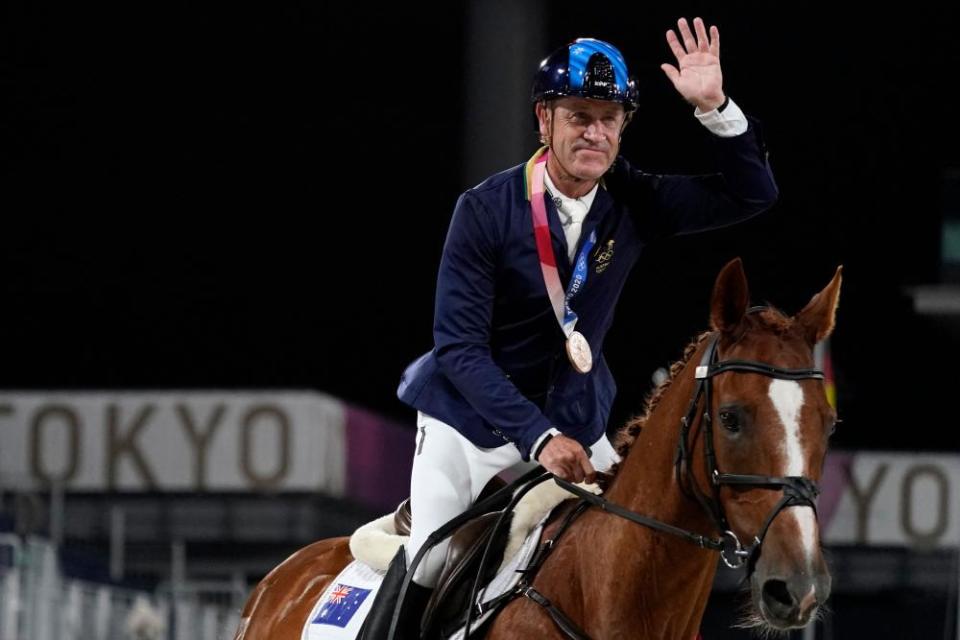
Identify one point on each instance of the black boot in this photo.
(377, 624)
(414, 604)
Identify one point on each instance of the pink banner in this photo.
(379, 459)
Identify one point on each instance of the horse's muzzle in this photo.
(791, 603)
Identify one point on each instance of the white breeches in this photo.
(449, 472)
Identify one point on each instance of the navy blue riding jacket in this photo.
(498, 371)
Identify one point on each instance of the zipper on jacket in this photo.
(423, 436)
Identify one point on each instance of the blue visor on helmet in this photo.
(587, 68)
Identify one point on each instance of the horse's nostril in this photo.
(775, 593)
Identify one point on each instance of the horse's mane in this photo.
(628, 433)
(770, 318)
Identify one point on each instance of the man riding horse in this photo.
(532, 268)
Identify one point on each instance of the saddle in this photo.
(471, 544)
(402, 515)
(467, 544)
(446, 610)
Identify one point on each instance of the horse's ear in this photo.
(816, 320)
(730, 297)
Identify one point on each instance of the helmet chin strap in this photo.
(547, 109)
(628, 116)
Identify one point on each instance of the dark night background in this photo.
(238, 195)
(233, 195)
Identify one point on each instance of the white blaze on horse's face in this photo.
(787, 399)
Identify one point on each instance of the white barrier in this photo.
(38, 603)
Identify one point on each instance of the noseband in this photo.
(797, 490)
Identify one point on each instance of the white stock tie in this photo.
(572, 212)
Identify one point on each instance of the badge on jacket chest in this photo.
(604, 256)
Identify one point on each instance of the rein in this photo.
(797, 490)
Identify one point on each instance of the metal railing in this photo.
(38, 603)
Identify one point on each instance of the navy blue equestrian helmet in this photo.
(586, 68)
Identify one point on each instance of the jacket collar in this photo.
(601, 203)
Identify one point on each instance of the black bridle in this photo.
(797, 490)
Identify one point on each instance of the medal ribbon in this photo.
(548, 262)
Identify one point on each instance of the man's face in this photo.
(584, 134)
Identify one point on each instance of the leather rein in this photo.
(797, 490)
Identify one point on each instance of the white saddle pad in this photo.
(346, 602)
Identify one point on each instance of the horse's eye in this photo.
(730, 421)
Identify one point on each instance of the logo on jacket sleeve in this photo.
(604, 256)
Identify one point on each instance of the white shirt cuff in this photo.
(727, 123)
(552, 431)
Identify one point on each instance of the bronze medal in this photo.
(578, 350)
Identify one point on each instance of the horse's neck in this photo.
(646, 481)
(663, 569)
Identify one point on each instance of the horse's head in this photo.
(769, 425)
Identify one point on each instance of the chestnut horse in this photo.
(764, 413)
